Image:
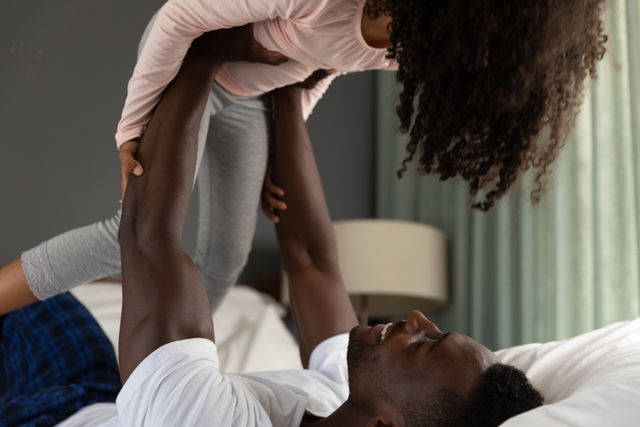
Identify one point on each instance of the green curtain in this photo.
(524, 273)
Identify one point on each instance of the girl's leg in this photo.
(230, 177)
(229, 182)
(61, 263)
(14, 290)
(73, 258)
(78, 256)
(70, 259)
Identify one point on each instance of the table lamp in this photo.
(390, 267)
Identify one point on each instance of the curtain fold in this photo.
(524, 273)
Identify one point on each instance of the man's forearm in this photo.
(305, 232)
(163, 296)
(168, 179)
(320, 303)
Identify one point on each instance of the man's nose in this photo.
(417, 322)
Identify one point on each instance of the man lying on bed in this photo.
(403, 374)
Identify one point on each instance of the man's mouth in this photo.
(384, 332)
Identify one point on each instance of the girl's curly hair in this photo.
(491, 88)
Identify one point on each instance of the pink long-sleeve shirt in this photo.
(314, 34)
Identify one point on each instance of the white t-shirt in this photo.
(180, 384)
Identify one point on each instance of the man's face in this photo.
(389, 364)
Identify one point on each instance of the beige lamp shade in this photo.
(390, 267)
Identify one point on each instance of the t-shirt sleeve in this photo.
(330, 358)
(178, 372)
(177, 24)
(310, 97)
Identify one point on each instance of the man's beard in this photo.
(361, 360)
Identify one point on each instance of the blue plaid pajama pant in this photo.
(55, 360)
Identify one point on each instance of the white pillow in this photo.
(589, 380)
(249, 332)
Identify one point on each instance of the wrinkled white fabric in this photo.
(592, 380)
(180, 384)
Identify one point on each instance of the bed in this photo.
(250, 334)
(590, 380)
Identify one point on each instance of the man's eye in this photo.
(415, 346)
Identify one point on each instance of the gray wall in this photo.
(64, 66)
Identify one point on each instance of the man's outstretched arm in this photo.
(320, 303)
(163, 295)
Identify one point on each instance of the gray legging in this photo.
(232, 164)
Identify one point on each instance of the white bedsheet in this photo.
(249, 332)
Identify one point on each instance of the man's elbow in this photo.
(300, 258)
(147, 233)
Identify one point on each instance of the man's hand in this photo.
(237, 45)
(310, 82)
(228, 45)
(128, 163)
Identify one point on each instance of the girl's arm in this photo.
(178, 23)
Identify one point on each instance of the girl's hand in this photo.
(128, 163)
(271, 194)
(271, 198)
(232, 44)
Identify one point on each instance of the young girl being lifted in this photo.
(480, 80)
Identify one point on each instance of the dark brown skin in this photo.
(243, 47)
(163, 296)
(320, 302)
(409, 361)
(416, 358)
(14, 290)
